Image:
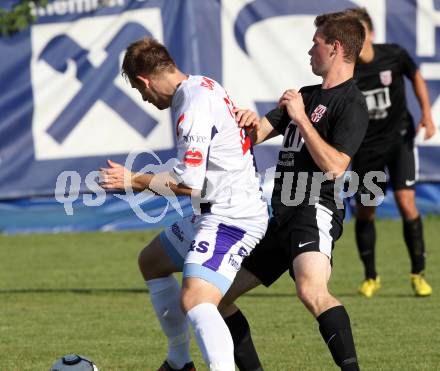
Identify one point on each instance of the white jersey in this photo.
(214, 155)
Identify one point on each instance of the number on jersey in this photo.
(292, 138)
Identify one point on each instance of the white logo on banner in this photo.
(82, 105)
(386, 77)
(277, 57)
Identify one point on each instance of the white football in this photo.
(73, 362)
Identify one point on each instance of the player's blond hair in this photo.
(146, 57)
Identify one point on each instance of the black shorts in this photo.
(397, 158)
(308, 228)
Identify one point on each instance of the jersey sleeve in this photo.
(351, 127)
(193, 129)
(409, 67)
(279, 119)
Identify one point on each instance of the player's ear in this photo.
(336, 48)
(333, 51)
(143, 80)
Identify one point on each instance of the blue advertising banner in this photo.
(66, 108)
(64, 103)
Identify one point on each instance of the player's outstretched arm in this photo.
(258, 129)
(422, 94)
(116, 176)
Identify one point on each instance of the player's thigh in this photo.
(243, 282)
(312, 270)
(217, 250)
(154, 262)
(316, 230)
(167, 252)
(402, 170)
(269, 259)
(402, 166)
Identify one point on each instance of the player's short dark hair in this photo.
(346, 29)
(146, 57)
(362, 15)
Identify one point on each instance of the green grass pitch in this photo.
(82, 293)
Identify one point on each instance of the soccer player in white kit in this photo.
(215, 166)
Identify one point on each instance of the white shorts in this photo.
(212, 247)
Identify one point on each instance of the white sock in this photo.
(213, 337)
(165, 297)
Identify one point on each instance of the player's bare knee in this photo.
(197, 291)
(226, 309)
(311, 296)
(187, 300)
(304, 295)
(407, 205)
(409, 213)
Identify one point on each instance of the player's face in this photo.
(321, 55)
(150, 92)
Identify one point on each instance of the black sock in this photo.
(366, 241)
(245, 355)
(334, 325)
(413, 234)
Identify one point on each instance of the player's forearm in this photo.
(264, 131)
(257, 129)
(263, 138)
(422, 94)
(163, 184)
(328, 159)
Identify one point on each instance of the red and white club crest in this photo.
(318, 113)
(386, 77)
(193, 157)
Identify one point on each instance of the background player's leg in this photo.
(245, 354)
(412, 228)
(365, 232)
(403, 178)
(264, 265)
(312, 272)
(413, 235)
(157, 268)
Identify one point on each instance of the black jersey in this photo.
(340, 116)
(382, 83)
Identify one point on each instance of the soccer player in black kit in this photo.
(389, 143)
(323, 127)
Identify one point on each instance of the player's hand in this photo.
(426, 123)
(115, 176)
(293, 102)
(247, 119)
